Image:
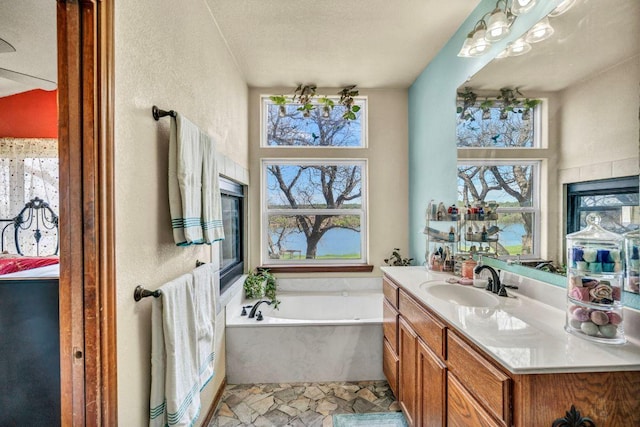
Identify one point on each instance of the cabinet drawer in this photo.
(390, 325)
(463, 410)
(390, 363)
(426, 326)
(390, 291)
(490, 386)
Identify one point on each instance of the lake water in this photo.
(340, 241)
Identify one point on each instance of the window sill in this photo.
(355, 268)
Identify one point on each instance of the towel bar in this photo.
(158, 113)
(140, 292)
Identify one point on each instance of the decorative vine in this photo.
(304, 95)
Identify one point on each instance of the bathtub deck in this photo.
(300, 404)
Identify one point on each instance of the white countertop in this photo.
(523, 335)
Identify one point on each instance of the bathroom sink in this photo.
(460, 295)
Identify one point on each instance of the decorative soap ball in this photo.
(573, 308)
(615, 293)
(614, 318)
(589, 254)
(599, 317)
(589, 328)
(575, 324)
(602, 293)
(581, 314)
(608, 331)
(580, 294)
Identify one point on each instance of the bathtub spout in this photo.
(252, 313)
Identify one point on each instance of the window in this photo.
(496, 127)
(514, 188)
(314, 211)
(615, 200)
(287, 126)
(231, 248)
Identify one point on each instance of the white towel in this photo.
(175, 382)
(211, 203)
(205, 305)
(185, 181)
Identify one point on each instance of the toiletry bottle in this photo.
(483, 236)
(452, 235)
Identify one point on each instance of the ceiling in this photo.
(333, 43)
(592, 36)
(30, 27)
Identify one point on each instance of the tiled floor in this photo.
(303, 404)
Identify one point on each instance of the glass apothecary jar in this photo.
(632, 247)
(595, 277)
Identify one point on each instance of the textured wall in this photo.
(172, 55)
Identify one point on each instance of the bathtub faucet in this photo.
(252, 313)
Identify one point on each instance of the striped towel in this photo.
(205, 305)
(185, 181)
(212, 226)
(175, 379)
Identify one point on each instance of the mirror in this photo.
(588, 76)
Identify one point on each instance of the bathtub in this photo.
(314, 336)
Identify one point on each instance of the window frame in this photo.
(361, 101)
(536, 201)
(232, 272)
(539, 115)
(266, 212)
(574, 191)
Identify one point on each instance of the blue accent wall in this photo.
(432, 122)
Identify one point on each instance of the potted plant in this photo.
(346, 99)
(468, 100)
(485, 106)
(327, 106)
(397, 260)
(528, 105)
(281, 101)
(305, 94)
(260, 284)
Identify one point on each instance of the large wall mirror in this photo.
(587, 76)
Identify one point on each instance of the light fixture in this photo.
(498, 24)
(464, 50)
(519, 47)
(562, 8)
(519, 7)
(479, 44)
(541, 31)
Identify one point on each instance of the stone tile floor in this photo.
(301, 404)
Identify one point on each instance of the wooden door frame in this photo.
(87, 226)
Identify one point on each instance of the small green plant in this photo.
(305, 94)
(281, 101)
(327, 106)
(397, 260)
(346, 99)
(261, 284)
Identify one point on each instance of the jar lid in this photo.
(594, 231)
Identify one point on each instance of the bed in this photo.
(29, 240)
(29, 317)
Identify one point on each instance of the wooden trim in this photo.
(72, 348)
(356, 268)
(87, 258)
(106, 213)
(216, 400)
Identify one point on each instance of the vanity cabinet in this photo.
(390, 359)
(441, 378)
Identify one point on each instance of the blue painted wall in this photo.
(432, 97)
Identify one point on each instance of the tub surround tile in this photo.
(324, 284)
(290, 407)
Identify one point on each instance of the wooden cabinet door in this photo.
(390, 366)
(431, 388)
(463, 410)
(407, 340)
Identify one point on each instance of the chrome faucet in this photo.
(494, 284)
(252, 313)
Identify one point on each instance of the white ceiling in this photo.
(30, 27)
(332, 43)
(591, 37)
